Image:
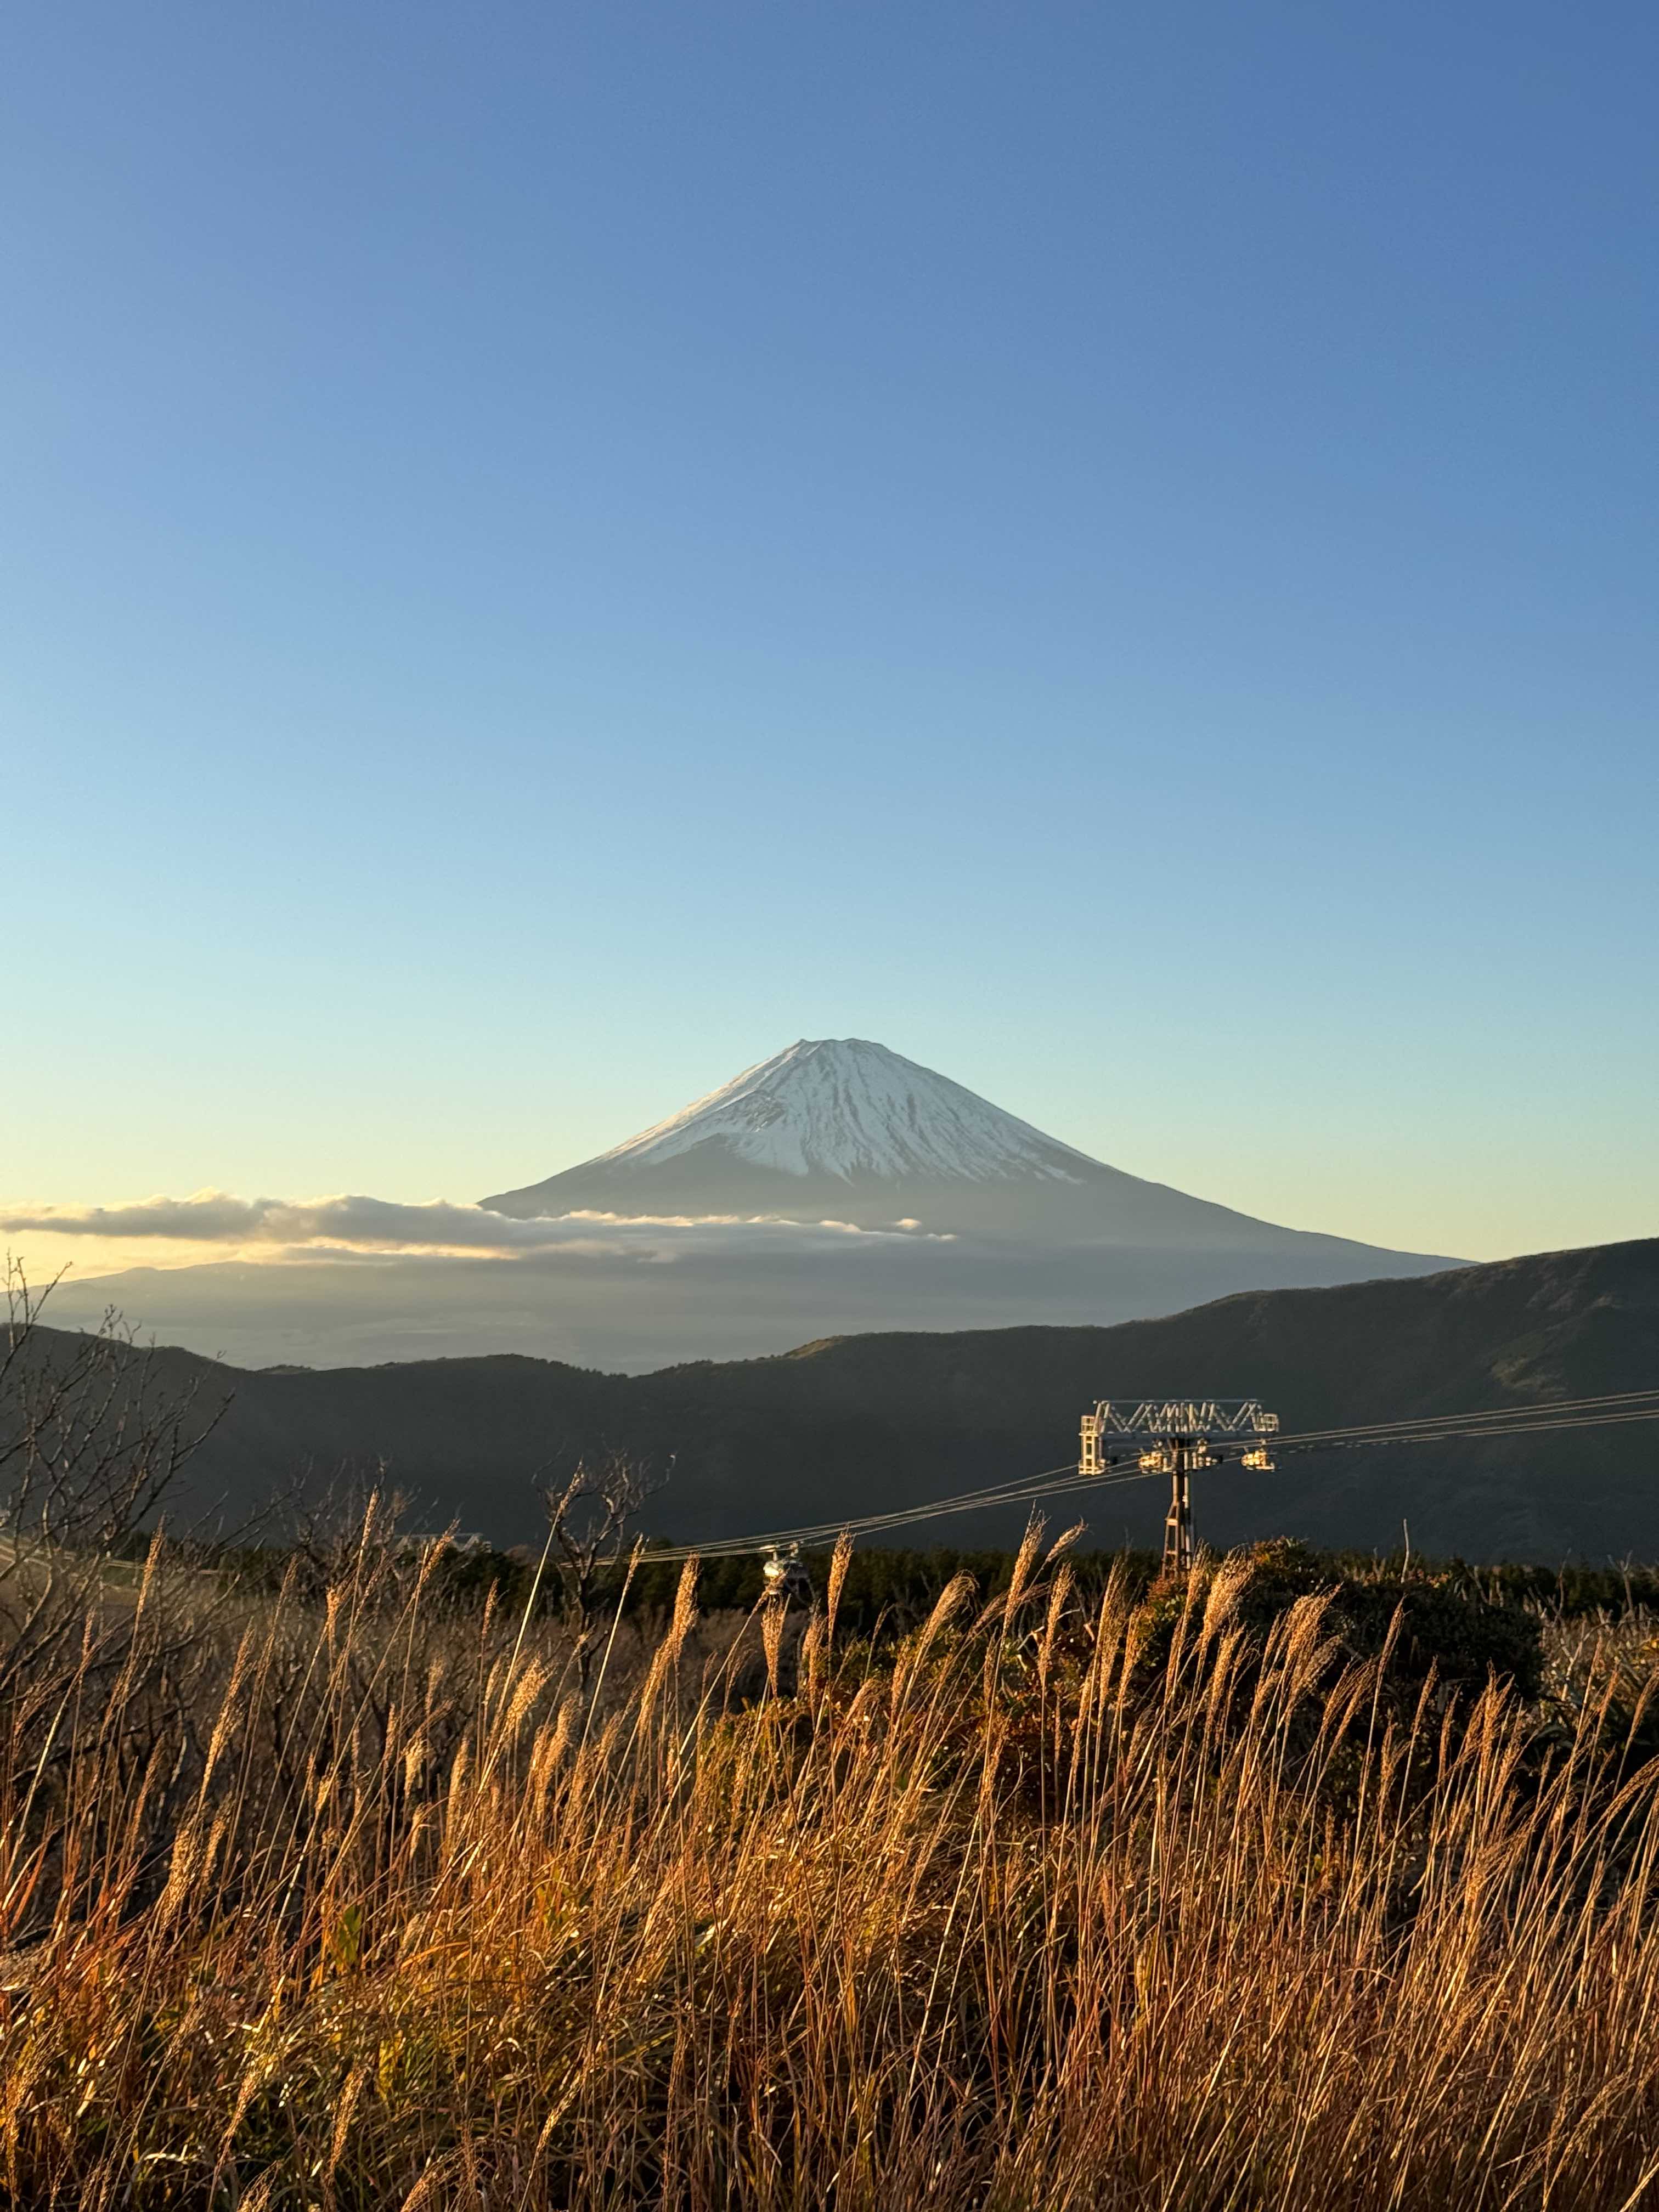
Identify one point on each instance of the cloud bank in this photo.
(350, 1224)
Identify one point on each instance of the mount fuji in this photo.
(841, 1128)
(919, 1206)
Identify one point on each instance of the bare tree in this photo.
(589, 1518)
(92, 1438)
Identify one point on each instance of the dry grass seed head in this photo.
(840, 1559)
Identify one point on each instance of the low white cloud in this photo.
(350, 1225)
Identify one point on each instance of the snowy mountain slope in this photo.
(844, 1107)
(839, 1128)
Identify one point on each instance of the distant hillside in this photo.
(858, 1423)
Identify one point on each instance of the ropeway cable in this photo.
(1008, 1494)
(1440, 1436)
(1062, 1481)
(1492, 1413)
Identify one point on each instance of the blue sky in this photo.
(549, 552)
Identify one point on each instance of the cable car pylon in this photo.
(1183, 1434)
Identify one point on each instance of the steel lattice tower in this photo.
(1183, 1434)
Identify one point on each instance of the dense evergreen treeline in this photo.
(901, 1587)
(1459, 1621)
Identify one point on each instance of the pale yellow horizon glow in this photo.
(43, 1255)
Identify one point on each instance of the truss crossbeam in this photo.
(1184, 1417)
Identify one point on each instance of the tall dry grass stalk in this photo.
(1018, 1920)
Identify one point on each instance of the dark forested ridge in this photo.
(866, 1422)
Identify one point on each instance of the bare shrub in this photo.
(590, 1517)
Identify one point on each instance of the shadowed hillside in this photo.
(858, 1423)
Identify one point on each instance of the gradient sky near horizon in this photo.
(551, 551)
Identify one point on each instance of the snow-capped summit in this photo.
(842, 1129)
(846, 1108)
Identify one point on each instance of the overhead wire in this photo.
(1494, 1413)
(1430, 1435)
(1611, 1409)
(1008, 1494)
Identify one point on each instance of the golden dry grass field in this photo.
(341, 1897)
